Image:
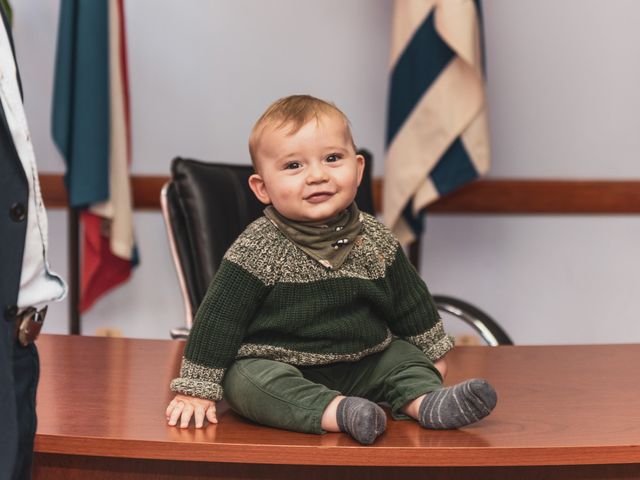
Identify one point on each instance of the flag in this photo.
(437, 132)
(91, 128)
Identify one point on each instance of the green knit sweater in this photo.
(270, 300)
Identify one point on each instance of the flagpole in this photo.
(74, 271)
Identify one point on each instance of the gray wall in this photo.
(563, 102)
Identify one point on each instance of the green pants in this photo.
(294, 398)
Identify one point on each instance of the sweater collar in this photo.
(329, 242)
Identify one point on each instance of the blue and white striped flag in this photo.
(437, 132)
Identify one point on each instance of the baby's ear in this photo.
(360, 166)
(257, 186)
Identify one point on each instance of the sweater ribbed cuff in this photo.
(199, 381)
(435, 343)
(197, 388)
(439, 349)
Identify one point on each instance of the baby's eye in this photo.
(333, 157)
(292, 165)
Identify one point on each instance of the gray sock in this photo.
(362, 419)
(457, 406)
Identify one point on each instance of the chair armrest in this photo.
(179, 333)
(487, 327)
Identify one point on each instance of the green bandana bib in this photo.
(329, 242)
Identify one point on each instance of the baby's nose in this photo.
(316, 173)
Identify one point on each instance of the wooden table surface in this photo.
(557, 405)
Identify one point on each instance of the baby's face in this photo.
(311, 175)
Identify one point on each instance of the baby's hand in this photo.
(184, 407)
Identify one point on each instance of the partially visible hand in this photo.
(441, 365)
(184, 407)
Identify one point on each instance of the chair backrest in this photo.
(206, 206)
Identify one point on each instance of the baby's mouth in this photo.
(318, 197)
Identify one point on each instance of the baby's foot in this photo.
(363, 420)
(457, 406)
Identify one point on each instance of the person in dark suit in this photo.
(26, 283)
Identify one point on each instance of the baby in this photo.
(315, 314)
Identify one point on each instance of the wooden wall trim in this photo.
(146, 191)
(489, 196)
(511, 196)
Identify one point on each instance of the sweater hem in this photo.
(295, 357)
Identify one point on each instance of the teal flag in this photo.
(81, 99)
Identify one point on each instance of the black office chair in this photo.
(207, 205)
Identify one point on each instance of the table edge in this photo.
(356, 455)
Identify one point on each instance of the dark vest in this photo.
(14, 195)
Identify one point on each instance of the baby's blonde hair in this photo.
(294, 110)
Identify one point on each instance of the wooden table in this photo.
(563, 412)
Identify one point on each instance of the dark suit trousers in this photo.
(18, 403)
